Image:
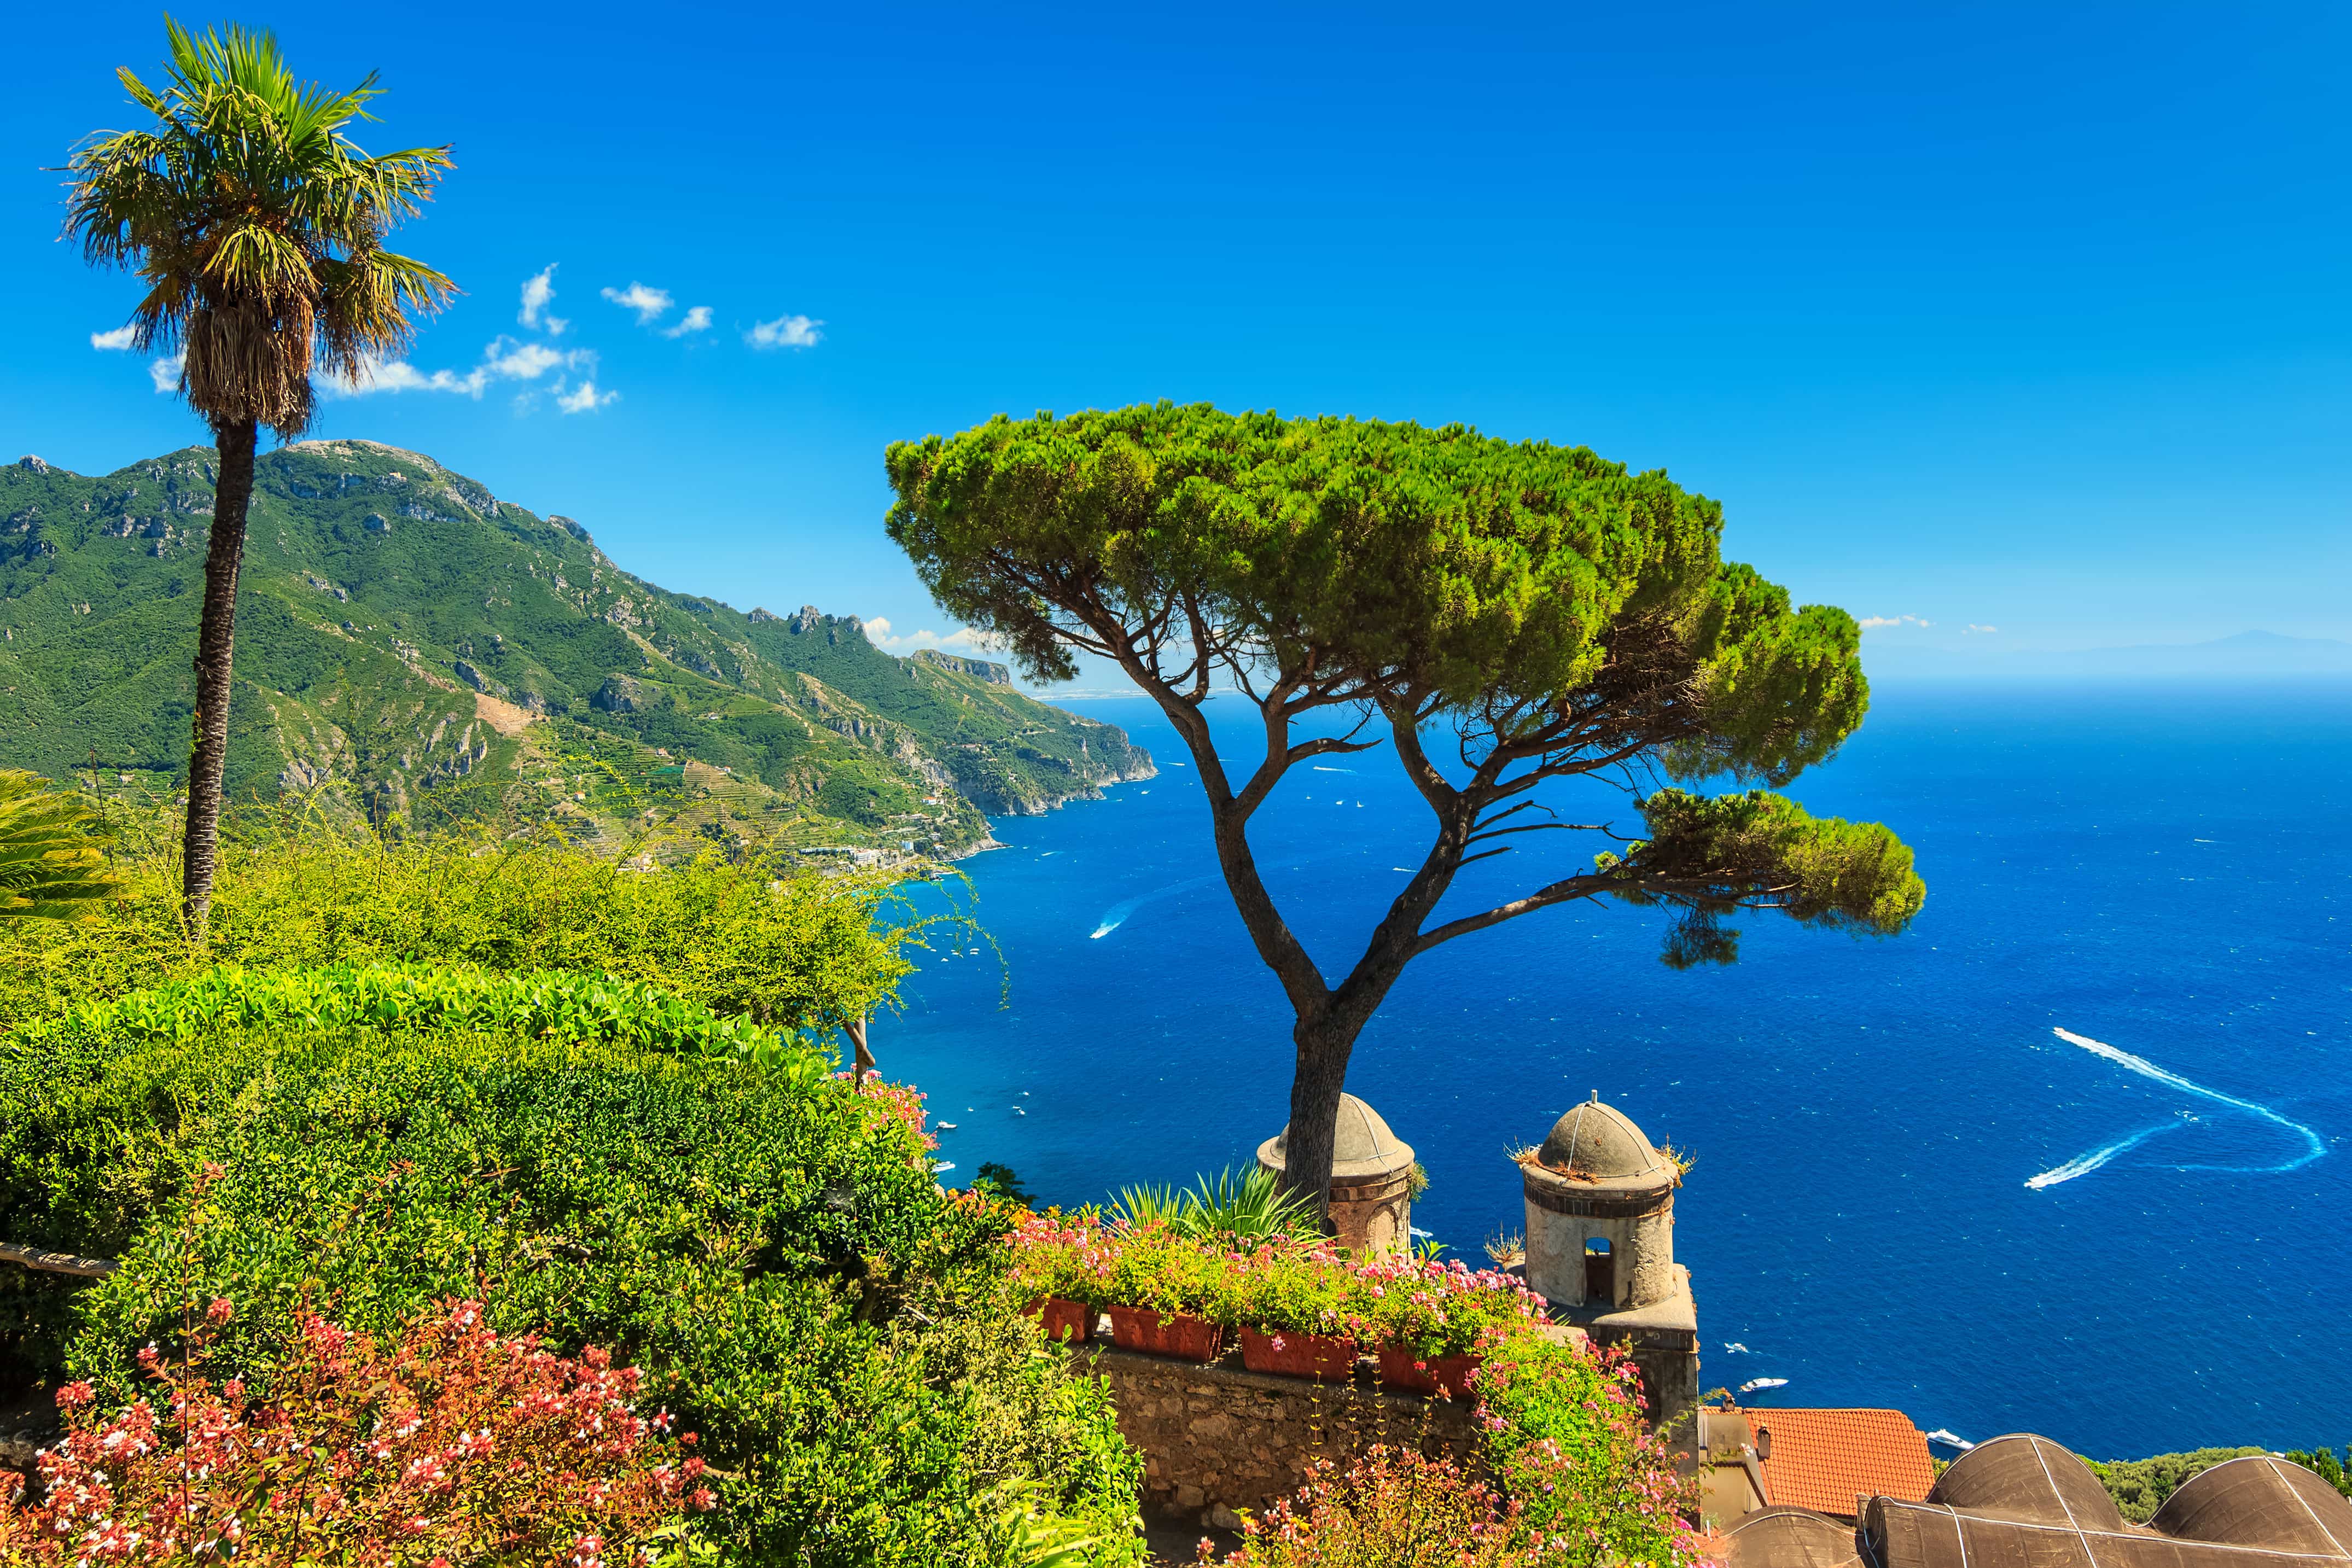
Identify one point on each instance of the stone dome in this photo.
(1599, 1142)
(1361, 1146)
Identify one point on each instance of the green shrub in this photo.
(2140, 1485)
(1147, 1260)
(802, 951)
(2323, 1463)
(771, 1249)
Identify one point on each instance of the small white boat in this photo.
(941, 1167)
(1019, 1112)
(945, 1126)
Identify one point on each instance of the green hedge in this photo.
(548, 1004)
(800, 951)
(772, 1247)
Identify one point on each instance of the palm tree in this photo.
(49, 870)
(257, 226)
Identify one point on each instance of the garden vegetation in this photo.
(766, 1241)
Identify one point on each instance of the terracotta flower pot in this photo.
(1065, 1321)
(1177, 1334)
(1401, 1368)
(1327, 1358)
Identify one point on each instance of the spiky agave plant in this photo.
(257, 226)
(49, 868)
(1245, 1204)
(1250, 1203)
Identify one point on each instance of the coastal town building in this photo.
(1830, 1462)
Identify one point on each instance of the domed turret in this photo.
(1599, 1144)
(1600, 1212)
(1371, 1178)
(1600, 1246)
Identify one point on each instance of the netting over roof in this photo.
(2024, 1501)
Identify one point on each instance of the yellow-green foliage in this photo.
(805, 951)
(49, 868)
(546, 1004)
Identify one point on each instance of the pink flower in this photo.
(220, 1312)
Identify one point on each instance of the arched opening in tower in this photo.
(1600, 1270)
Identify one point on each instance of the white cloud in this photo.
(120, 338)
(504, 360)
(1973, 627)
(963, 640)
(511, 360)
(1873, 622)
(697, 320)
(784, 332)
(649, 303)
(538, 292)
(165, 373)
(584, 398)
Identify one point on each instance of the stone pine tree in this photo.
(258, 227)
(1502, 616)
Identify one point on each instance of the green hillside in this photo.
(407, 640)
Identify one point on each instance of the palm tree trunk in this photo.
(216, 638)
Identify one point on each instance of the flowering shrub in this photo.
(1433, 1309)
(1565, 1438)
(449, 1445)
(1445, 1308)
(1055, 1254)
(776, 1254)
(1391, 1509)
(1299, 1289)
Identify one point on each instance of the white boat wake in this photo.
(1119, 913)
(2082, 1164)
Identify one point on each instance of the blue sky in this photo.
(2020, 316)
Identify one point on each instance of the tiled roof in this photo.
(1826, 1459)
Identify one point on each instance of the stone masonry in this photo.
(1219, 1438)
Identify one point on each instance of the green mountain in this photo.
(407, 642)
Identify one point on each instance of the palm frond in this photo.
(49, 868)
(257, 223)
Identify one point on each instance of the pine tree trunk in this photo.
(216, 638)
(1316, 1085)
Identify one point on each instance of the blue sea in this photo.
(1912, 1189)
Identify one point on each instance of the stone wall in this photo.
(1219, 1438)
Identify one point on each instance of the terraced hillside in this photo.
(406, 640)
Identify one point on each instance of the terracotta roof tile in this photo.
(1825, 1458)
